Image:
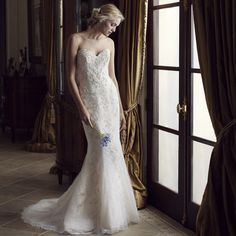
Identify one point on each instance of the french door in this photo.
(179, 127)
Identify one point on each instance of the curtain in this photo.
(44, 139)
(215, 23)
(131, 58)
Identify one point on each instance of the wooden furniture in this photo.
(71, 141)
(23, 96)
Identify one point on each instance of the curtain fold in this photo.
(44, 139)
(215, 23)
(131, 59)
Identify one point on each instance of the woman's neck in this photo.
(94, 33)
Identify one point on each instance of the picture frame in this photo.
(34, 32)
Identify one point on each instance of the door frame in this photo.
(187, 210)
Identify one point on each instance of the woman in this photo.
(101, 199)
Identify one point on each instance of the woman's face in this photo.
(109, 26)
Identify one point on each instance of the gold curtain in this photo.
(131, 57)
(44, 139)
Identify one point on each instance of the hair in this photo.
(105, 12)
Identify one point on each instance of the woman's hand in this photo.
(85, 117)
(122, 122)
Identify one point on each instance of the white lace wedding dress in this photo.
(101, 199)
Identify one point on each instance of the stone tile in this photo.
(19, 156)
(37, 182)
(6, 217)
(9, 178)
(45, 163)
(30, 170)
(9, 193)
(26, 160)
(51, 233)
(13, 232)
(58, 187)
(16, 154)
(42, 194)
(162, 222)
(16, 205)
(20, 225)
(4, 157)
(34, 168)
(141, 229)
(21, 161)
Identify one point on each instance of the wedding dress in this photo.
(101, 199)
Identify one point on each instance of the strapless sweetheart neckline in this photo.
(93, 52)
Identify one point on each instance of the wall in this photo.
(17, 27)
(2, 39)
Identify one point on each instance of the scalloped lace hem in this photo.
(71, 231)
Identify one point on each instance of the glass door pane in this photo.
(166, 36)
(202, 125)
(165, 160)
(195, 61)
(168, 165)
(200, 166)
(166, 97)
(161, 2)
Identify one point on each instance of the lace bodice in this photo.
(96, 87)
(91, 65)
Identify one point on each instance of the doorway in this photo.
(179, 127)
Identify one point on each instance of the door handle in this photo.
(182, 108)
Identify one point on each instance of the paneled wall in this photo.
(17, 27)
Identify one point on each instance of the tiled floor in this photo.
(24, 179)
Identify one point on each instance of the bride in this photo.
(101, 198)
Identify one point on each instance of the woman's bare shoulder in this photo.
(109, 40)
(110, 43)
(76, 38)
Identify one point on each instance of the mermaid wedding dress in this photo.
(101, 199)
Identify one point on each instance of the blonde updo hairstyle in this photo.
(105, 12)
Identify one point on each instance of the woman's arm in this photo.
(113, 77)
(71, 52)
